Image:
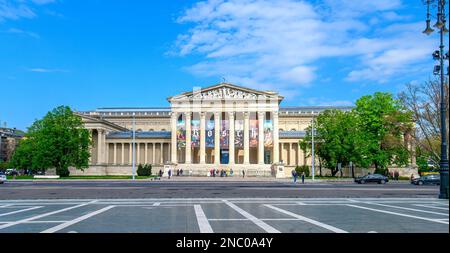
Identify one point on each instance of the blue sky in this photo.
(93, 53)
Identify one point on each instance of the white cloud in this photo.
(280, 44)
(45, 70)
(22, 32)
(17, 9)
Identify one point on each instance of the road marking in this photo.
(156, 204)
(301, 203)
(258, 222)
(3, 206)
(303, 218)
(399, 214)
(406, 208)
(227, 219)
(435, 207)
(42, 215)
(74, 221)
(202, 221)
(20, 211)
(45, 221)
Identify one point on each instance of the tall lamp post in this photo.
(312, 150)
(134, 149)
(439, 70)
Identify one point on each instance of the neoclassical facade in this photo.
(219, 127)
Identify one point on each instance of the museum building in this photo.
(224, 126)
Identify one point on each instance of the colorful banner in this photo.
(224, 134)
(181, 134)
(210, 134)
(239, 133)
(195, 136)
(253, 133)
(268, 133)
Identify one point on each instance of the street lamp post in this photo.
(439, 70)
(134, 149)
(312, 150)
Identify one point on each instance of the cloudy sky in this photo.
(93, 53)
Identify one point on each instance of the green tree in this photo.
(58, 141)
(383, 121)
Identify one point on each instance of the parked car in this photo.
(372, 178)
(2, 178)
(428, 179)
(10, 172)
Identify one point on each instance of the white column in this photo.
(261, 137)
(217, 137)
(202, 138)
(130, 159)
(99, 146)
(246, 138)
(174, 137)
(91, 147)
(138, 159)
(154, 154)
(276, 141)
(231, 148)
(188, 138)
(281, 153)
(115, 154)
(162, 153)
(123, 153)
(146, 153)
(105, 149)
(299, 152)
(291, 158)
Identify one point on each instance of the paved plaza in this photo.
(234, 215)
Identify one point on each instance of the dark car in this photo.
(428, 179)
(373, 178)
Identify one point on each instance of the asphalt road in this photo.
(208, 188)
(249, 215)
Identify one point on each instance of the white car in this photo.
(2, 179)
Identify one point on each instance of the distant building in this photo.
(9, 139)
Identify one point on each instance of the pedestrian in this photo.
(294, 175)
(412, 177)
(213, 172)
(181, 172)
(396, 175)
(231, 172)
(303, 177)
(243, 173)
(170, 173)
(160, 173)
(178, 172)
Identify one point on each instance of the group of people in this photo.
(295, 176)
(394, 175)
(221, 173)
(169, 173)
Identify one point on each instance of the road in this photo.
(208, 188)
(231, 215)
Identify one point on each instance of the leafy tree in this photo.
(58, 141)
(383, 120)
(144, 170)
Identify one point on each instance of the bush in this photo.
(144, 170)
(62, 172)
(301, 169)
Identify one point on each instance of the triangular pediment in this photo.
(226, 91)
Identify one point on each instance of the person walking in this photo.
(170, 173)
(396, 175)
(243, 173)
(303, 177)
(294, 175)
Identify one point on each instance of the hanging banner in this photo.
(210, 134)
(195, 136)
(268, 133)
(181, 134)
(224, 134)
(239, 133)
(253, 133)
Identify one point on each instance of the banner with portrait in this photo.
(253, 133)
(195, 136)
(181, 134)
(268, 133)
(209, 134)
(224, 134)
(239, 133)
